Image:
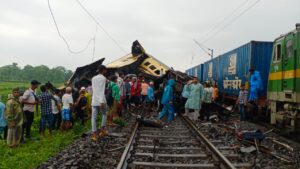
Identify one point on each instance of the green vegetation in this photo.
(38, 149)
(41, 73)
(6, 88)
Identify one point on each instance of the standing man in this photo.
(120, 83)
(207, 101)
(115, 93)
(255, 85)
(56, 107)
(29, 100)
(167, 101)
(242, 102)
(144, 90)
(215, 93)
(45, 100)
(67, 101)
(14, 117)
(3, 123)
(99, 102)
(135, 91)
(81, 106)
(126, 87)
(195, 97)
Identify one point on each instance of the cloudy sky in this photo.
(166, 28)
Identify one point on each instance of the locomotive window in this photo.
(277, 55)
(289, 49)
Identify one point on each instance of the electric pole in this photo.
(204, 48)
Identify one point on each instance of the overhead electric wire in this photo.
(98, 23)
(232, 21)
(63, 38)
(223, 20)
(94, 47)
(202, 47)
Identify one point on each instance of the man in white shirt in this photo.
(99, 102)
(29, 100)
(67, 101)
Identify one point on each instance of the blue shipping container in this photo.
(188, 72)
(196, 71)
(234, 66)
(200, 72)
(211, 70)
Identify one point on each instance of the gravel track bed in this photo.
(85, 153)
(226, 134)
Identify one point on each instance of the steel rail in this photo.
(226, 163)
(126, 154)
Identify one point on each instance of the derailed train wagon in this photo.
(231, 69)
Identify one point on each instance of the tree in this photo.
(41, 73)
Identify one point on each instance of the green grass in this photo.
(6, 88)
(39, 149)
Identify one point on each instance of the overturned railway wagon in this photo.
(137, 62)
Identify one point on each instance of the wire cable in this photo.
(202, 47)
(232, 21)
(98, 23)
(94, 47)
(223, 20)
(63, 38)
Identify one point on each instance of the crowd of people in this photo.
(109, 97)
(61, 109)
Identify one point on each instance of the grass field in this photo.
(6, 87)
(38, 149)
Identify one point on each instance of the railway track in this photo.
(181, 145)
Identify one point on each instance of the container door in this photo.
(288, 64)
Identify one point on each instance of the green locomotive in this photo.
(284, 81)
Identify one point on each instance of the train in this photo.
(279, 65)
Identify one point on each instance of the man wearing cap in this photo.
(14, 117)
(29, 100)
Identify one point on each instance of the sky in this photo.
(165, 28)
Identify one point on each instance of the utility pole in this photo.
(204, 48)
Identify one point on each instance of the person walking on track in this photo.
(167, 101)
